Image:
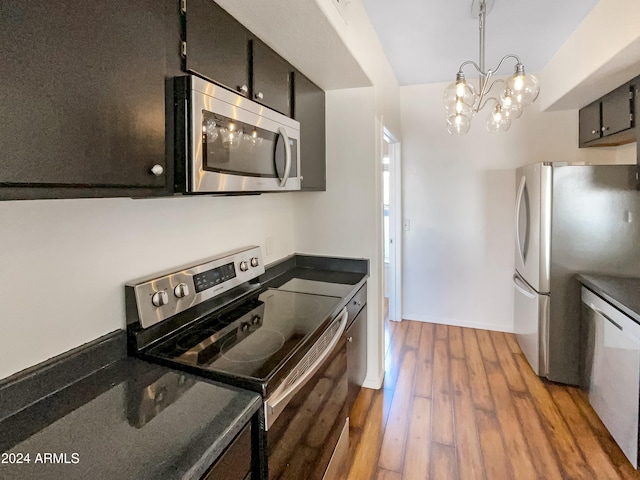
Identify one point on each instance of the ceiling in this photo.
(427, 40)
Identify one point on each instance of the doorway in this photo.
(392, 226)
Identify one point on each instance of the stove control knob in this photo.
(245, 327)
(181, 290)
(255, 262)
(160, 298)
(255, 320)
(244, 266)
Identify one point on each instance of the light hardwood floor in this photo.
(461, 403)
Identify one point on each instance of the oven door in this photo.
(307, 437)
(238, 145)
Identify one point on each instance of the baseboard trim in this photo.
(374, 383)
(459, 323)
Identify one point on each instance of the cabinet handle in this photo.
(350, 339)
(593, 132)
(357, 303)
(157, 170)
(259, 96)
(243, 88)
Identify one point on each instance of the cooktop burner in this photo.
(260, 345)
(253, 339)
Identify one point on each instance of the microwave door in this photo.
(239, 147)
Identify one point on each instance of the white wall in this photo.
(347, 220)
(63, 263)
(458, 193)
(356, 166)
(360, 38)
(603, 53)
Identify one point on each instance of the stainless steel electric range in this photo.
(216, 320)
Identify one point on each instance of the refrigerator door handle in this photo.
(522, 287)
(518, 202)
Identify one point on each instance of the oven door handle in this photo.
(287, 156)
(276, 402)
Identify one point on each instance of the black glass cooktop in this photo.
(251, 341)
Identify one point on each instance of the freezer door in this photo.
(531, 324)
(533, 224)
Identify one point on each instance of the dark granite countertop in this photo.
(127, 420)
(332, 276)
(622, 292)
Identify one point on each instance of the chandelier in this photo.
(463, 101)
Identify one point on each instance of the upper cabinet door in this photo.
(271, 79)
(616, 111)
(589, 129)
(309, 110)
(82, 91)
(217, 46)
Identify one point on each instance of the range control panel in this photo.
(164, 295)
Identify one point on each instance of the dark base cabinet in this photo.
(356, 355)
(235, 461)
(356, 334)
(83, 97)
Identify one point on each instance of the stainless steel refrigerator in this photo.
(569, 219)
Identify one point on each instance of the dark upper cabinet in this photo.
(216, 46)
(309, 110)
(610, 120)
(617, 111)
(83, 96)
(271, 78)
(589, 120)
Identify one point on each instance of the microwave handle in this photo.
(287, 156)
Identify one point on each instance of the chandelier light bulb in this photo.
(460, 97)
(507, 99)
(513, 113)
(498, 121)
(518, 83)
(510, 106)
(525, 87)
(458, 124)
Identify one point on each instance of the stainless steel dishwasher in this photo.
(611, 369)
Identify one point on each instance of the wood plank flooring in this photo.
(460, 403)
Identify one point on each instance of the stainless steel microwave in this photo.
(226, 143)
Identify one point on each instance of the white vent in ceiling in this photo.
(342, 6)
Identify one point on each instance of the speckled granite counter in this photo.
(126, 420)
(332, 276)
(622, 292)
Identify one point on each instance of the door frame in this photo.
(395, 226)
